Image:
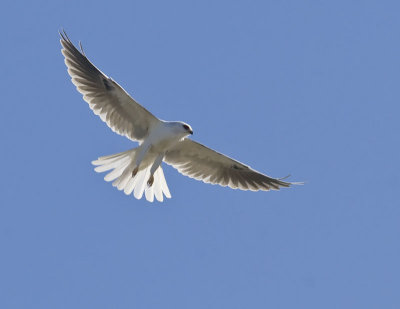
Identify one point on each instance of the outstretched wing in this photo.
(105, 97)
(202, 163)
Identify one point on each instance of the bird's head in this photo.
(182, 128)
(187, 128)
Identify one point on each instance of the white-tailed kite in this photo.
(139, 169)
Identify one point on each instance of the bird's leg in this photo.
(150, 181)
(154, 167)
(141, 153)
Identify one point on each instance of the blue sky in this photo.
(307, 88)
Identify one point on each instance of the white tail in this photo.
(122, 165)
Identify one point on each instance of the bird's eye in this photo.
(186, 127)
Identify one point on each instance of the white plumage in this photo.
(139, 170)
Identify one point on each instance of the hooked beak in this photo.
(191, 132)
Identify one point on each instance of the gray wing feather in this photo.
(105, 97)
(202, 163)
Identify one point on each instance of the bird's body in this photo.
(165, 135)
(144, 162)
(139, 170)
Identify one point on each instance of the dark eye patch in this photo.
(186, 127)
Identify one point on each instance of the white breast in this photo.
(163, 137)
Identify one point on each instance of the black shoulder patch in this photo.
(107, 84)
(234, 166)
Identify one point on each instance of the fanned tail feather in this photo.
(122, 165)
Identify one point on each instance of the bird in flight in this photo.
(139, 170)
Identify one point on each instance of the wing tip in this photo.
(63, 35)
